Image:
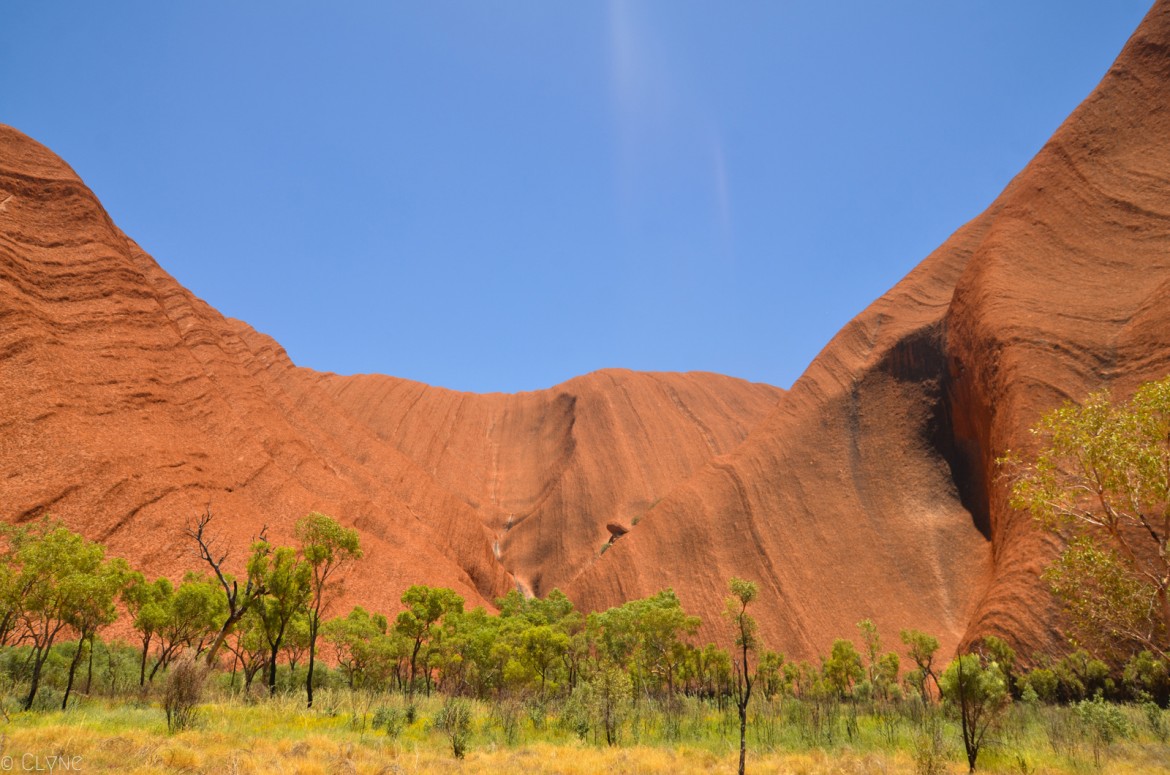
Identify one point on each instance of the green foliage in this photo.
(365, 655)
(418, 624)
(771, 676)
(922, 648)
(976, 689)
(1042, 682)
(601, 705)
(390, 719)
(455, 721)
(1081, 675)
(55, 580)
(843, 667)
(1147, 677)
(1102, 479)
(1103, 723)
(288, 584)
(326, 547)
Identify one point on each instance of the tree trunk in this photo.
(413, 661)
(89, 668)
(742, 736)
(142, 669)
(38, 662)
(312, 657)
(73, 663)
(224, 631)
(272, 671)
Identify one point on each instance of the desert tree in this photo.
(14, 586)
(922, 648)
(358, 640)
(147, 604)
(94, 608)
(55, 568)
(238, 601)
(743, 593)
(327, 547)
(248, 647)
(289, 584)
(542, 651)
(976, 687)
(425, 607)
(843, 669)
(1101, 481)
(185, 616)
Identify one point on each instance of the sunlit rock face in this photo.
(867, 490)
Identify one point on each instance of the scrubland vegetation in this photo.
(223, 674)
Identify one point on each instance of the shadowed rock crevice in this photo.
(920, 358)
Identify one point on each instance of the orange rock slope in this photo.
(867, 490)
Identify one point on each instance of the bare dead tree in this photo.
(238, 601)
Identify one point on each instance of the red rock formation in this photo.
(129, 405)
(868, 490)
(872, 490)
(548, 470)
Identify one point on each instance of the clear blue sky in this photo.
(500, 196)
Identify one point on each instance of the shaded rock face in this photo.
(867, 490)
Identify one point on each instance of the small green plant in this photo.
(506, 716)
(1156, 720)
(1102, 723)
(390, 719)
(455, 721)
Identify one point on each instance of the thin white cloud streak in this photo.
(649, 104)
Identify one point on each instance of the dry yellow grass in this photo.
(282, 737)
(146, 753)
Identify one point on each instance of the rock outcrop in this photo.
(869, 489)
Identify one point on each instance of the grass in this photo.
(281, 736)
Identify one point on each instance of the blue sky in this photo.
(500, 196)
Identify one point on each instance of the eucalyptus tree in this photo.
(54, 567)
(743, 593)
(327, 547)
(94, 608)
(425, 608)
(288, 581)
(1101, 480)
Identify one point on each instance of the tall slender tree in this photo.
(93, 609)
(327, 547)
(289, 584)
(746, 641)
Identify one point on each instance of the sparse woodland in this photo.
(266, 653)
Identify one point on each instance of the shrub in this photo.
(1041, 682)
(1102, 722)
(455, 721)
(184, 690)
(390, 719)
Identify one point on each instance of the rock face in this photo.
(872, 490)
(129, 405)
(867, 490)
